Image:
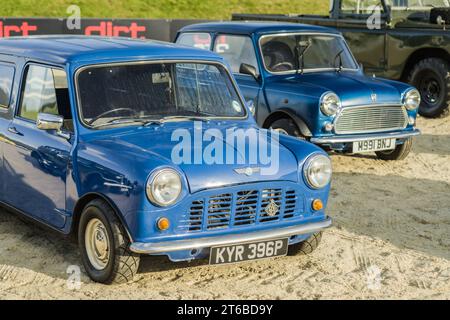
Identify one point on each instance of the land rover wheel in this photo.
(399, 153)
(431, 78)
(288, 127)
(104, 245)
(307, 246)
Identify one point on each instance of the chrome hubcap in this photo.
(97, 244)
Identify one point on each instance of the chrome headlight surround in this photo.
(164, 187)
(411, 99)
(330, 104)
(317, 171)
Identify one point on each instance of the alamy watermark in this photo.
(74, 277)
(246, 147)
(374, 20)
(373, 274)
(74, 19)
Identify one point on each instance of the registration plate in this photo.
(249, 251)
(373, 145)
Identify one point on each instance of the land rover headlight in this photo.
(317, 171)
(411, 100)
(164, 187)
(330, 103)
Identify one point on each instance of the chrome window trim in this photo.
(339, 114)
(195, 32)
(13, 66)
(159, 61)
(213, 48)
(23, 80)
(310, 70)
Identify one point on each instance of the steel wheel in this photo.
(105, 245)
(430, 90)
(97, 244)
(430, 77)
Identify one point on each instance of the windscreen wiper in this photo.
(119, 121)
(301, 54)
(187, 118)
(151, 122)
(339, 55)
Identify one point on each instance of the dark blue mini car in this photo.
(94, 141)
(303, 80)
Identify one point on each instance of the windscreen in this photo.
(404, 4)
(134, 92)
(286, 53)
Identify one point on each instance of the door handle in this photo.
(14, 130)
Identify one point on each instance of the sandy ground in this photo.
(391, 239)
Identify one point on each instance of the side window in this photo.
(197, 40)
(6, 82)
(44, 90)
(236, 50)
(360, 7)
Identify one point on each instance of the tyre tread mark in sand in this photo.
(362, 261)
(8, 272)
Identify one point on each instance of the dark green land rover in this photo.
(406, 40)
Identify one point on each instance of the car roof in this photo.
(92, 49)
(255, 27)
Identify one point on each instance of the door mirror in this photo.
(361, 67)
(250, 70)
(46, 121)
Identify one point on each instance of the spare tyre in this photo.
(444, 13)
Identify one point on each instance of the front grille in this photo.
(371, 119)
(241, 208)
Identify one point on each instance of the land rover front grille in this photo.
(368, 119)
(241, 208)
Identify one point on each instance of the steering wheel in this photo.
(289, 65)
(131, 111)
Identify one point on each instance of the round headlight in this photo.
(330, 104)
(317, 171)
(411, 100)
(164, 187)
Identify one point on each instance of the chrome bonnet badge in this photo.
(373, 96)
(247, 171)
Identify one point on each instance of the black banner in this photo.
(161, 29)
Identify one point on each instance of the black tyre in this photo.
(287, 126)
(104, 245)
(399, 153)
(431, 78)
(307, 246)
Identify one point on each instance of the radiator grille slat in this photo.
(242, 208)
(371, 119)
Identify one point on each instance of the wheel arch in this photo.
(421, 54)
(87, 198)
(288, 114)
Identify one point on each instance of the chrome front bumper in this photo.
(207, 242)
(364, 137)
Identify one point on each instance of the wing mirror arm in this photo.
(49, 122)
(250, 70)
(361, 67)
